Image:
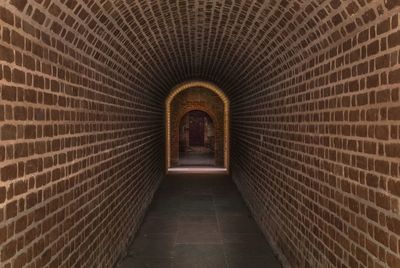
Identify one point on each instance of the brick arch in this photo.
(222, 124)
(199, 108)
(175, 128)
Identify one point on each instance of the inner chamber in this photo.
(197, 140)
(197, 128)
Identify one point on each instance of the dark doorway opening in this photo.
(196, 128)
(196, 139)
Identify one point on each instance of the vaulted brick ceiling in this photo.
(314, 130)
(240, 45)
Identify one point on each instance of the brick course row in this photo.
(316, 145)
(314, 97)
(79, 143)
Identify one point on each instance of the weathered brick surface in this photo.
(314, 91)
(315, 136)
(79, 141)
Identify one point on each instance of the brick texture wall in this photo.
(203, 100)
(314, 94)
(80, 141)
(316, 142)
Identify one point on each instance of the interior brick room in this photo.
(197, 99)
(314, 97)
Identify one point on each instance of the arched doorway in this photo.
(197, 143)
(197, 96)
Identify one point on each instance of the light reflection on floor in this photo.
(196, 169)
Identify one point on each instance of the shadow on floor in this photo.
(199, 221)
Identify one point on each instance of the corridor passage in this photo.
(199, 221)
(298, 99)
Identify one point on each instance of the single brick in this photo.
(6, 15)
(8, 251)
(20, 260)
(2, 195)
(30, 131)
(394, 187)
(20, 187)
(6, 54)
(9, 172)
(19, 4)
(11, 210)
(8, 132)
(21, 224)
(9, 93)
(394, 113)
(382, 200)
(38, 16)
(382, 132)
(390, 4)
(20, 113)
(394, 76)
(20, 150)
(18, 76)
(17, 39)
(29, 62)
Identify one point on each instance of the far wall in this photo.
(203, 100)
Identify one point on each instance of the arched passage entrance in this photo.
(197, 142)
(217, 107)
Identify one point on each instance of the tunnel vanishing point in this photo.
(307, 125)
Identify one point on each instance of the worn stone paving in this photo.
(199, 221)
(196, 159)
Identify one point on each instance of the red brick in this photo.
(31, 200)
(19, 4)
(20, 113)
(8, 250)
(20, 187)
(17, 39)
(2, 194)
(30, 131)
(6, 54)
(20, 261)
(392, 150)
(3, 234)
(394, 187)
(9, 172)
(29, 62)
(38, 16)
(382, 200)
(18, 76)
(394, 76)
(393, 260)
(11, 210)
(372, 180)
(382, 132)
(6, 15)
(21, 224)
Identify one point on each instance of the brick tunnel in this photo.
(314, 123)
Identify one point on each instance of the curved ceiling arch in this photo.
(239, 45)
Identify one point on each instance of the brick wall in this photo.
(198, 99)
(317, 140)
(80, 139)
(314, 91)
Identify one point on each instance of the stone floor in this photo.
(199, 221)
(196, 159)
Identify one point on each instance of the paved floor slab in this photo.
(199, 221)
